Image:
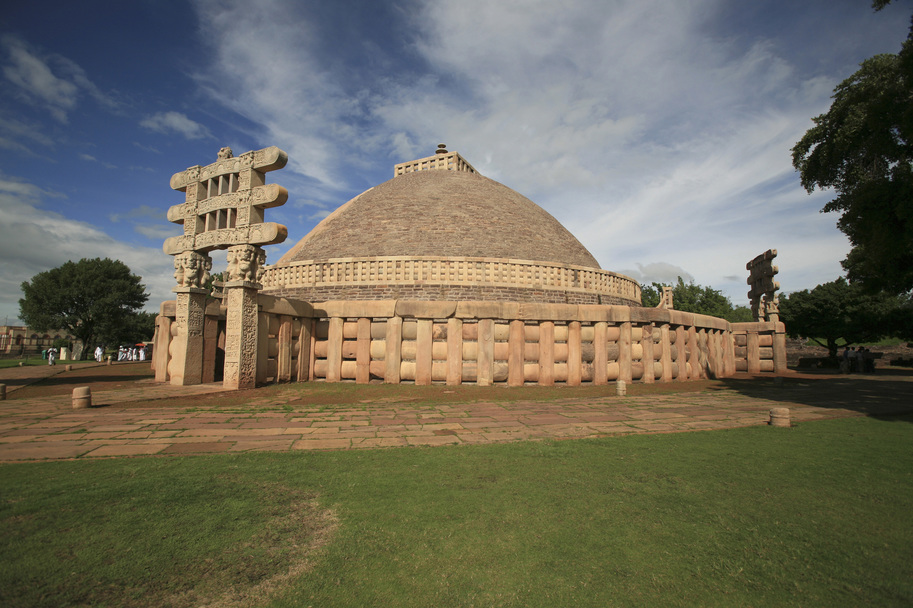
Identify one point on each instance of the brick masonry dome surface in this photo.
(441, 213)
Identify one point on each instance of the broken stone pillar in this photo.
(779, 416)
(82, 397)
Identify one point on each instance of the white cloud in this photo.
(35, 78)
(53, 80)
(91, 159)
(647, 132)
(175, 122)
(658, 272)
(51, 239)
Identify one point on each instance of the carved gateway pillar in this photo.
(224, 208)
(185, 361)
(245, 266)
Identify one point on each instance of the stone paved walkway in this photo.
(48, 427)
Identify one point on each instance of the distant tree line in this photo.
(689, 297)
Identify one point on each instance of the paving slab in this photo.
(47, 427)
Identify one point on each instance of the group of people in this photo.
(131, 353)
(858, 360)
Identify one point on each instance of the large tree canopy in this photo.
(863, 149)
(838, 312)
(95, 300)
(689, 297)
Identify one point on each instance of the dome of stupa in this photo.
(441, 213)
(440, 230)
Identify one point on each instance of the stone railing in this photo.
(451, 271)
(760, 347)
(447, 161)
(484, 343)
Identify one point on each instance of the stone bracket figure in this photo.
(245, 264)
(192, 269)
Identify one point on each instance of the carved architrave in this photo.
(224, 203)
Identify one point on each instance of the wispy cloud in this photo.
(146, 220)
(91, 159)
(52, 80)
(142, 213)
(657, 137)
(52, 239)
(658, 272)
(175, 122)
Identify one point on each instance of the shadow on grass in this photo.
(887, 394)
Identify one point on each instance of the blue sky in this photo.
(658, 132)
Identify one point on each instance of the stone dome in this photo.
(441, 213)
(440, 231)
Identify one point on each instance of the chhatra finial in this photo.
(441, 149)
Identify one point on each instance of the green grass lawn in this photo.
(816, 515)
(37, 360)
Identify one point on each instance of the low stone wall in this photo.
(427, 278)
(484, 343)
(760, 347)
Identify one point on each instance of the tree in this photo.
(863, 149)
(839, 311)
(137, 327)
(689, 297)
(91, 299)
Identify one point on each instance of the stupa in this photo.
(439, 275)
(439, 230)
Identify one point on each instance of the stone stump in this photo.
(82, 397)
(779, 416)
(621, 389)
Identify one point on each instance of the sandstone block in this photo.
(530, 311)
(487, 310)
(417, 309)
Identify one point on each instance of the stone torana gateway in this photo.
(439, 275)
